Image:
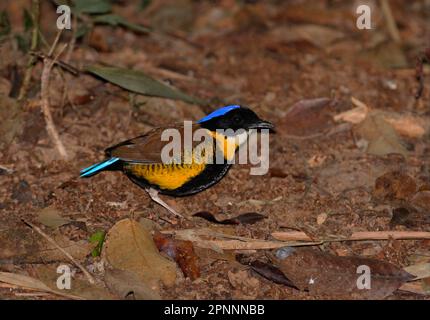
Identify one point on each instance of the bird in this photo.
(193, 170)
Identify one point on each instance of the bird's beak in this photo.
(262, 125)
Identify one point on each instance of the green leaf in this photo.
(92, 6)
(4, 24)
(139, 82)
(99, 238)
(116, 20)
(28, 21)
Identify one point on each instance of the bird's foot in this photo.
(154, 196)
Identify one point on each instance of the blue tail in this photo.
(95, 168)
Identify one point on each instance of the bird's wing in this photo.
(148, 147)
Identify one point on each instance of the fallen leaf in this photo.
(270, 272)
(247, 287)
(116, 20)
(355, 115)
(92, 6)
(129, 246)
(139, 82)
(324, 274)
(381, 137)
(27, 282)
(126, 285)
(421, 200)
(394, 185)
(51, 217)
(22, 245)
(245, 218)
(319, 36)
(97, 238)
(23, 281)
(408, 126)
(418, 287)
(316, 160)
(307, 117)
(79, 287)
(182, 252)
(386, 55)
(420, 271)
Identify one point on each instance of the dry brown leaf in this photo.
(319, 36)
(325, 274)
(22, 245)
(420, 271)
(316, 160)
(381, 137)
(80, 287)
(355, 115)
(27, 282)
(408, 126)
(51, 217)
(181, 251)
(307, 117)
(129, 246)
(394, 185)
(128, 285)
(421, 200)
(419, 287)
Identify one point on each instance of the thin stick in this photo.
(52, 241)
(8, 170)
(35, 13)
(73, 39)
(44, 93)
(356, 236)
(48, 290)
(57, 62)
(391, 23)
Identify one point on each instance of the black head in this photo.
(233, 117)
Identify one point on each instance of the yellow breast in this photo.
(165, 176)
(229, 145)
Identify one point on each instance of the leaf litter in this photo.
(338, 171)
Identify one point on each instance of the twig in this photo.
(391, 23)
(35, 13)
(52, 241)
(356, 236)
(253, 244)
(6, 169)
(44, 93)
(419, 71)
(200, 238)
(31, 294)
(15, 281)
(59, 63)
(73, 39)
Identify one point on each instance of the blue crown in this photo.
(219, 112)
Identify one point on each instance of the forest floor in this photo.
(329, 176)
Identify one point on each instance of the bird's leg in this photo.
(154, 196)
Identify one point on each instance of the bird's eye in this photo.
(237, 119)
